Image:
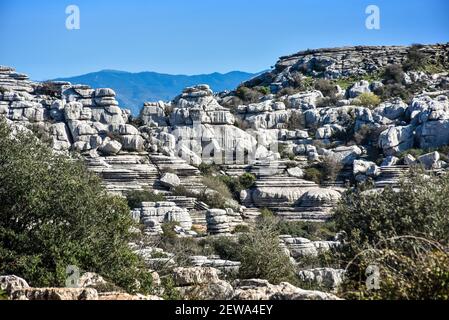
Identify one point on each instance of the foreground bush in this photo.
(403, 232)
(262, 256)
(54, 213)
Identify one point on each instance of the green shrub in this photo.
(136, 197)
(327, 102)
(261, 255)
(263, 90)
(402, 232)
(313, 174)
(217, 184)
(327, 88)
(3, 295)
(55, 213)
(266, 213)
(367, 99)
(393, 74)
(314, 231)
(241, 228)
(248, 95)
(368, 135)
(226, 247)
(208, 169)
(49, 88)
(330, 169)
(247, 180)
(416, 59)
(296, 121)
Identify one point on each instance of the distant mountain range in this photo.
(133, 89)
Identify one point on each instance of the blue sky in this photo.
(199, 36)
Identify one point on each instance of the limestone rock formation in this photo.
(256, 289)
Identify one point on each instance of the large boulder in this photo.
(170, 180)
(326, 278)
(194, 276)
(396, 139)
(201, 283)
(358, 88)
(12, 283)
(55, 294)
(392, 110)
(433, 134)
(256, 289)
(430, 160)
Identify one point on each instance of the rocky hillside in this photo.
(288, 142)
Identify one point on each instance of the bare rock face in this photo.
(333, 63)
(201, 283)
(222, 221)
(153, 214)
(299, 248)
(193, 276)
(256, 289)
(326, 278)
(170, 180)
(55, 294)
(396, 139)
(153, 114)
(12, 283)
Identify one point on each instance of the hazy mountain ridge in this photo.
(133, 89)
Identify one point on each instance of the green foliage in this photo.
(248, 95)
(49, 88)
(3, 295)
(313, 174)
(416, 59)
(208, 169)
(314, 231)
(3, 90)
(401, 231)
(393, 74)
(241, 228)
(170, 291)
(368, 135)
(210, 195)
(217, 184)
(327, 88)
(136, 197)
(367, 99)
(266, 213)
(327, 170)
(55, 213)
(327, 102)
(263, 90)
(168, 229)
(226, 247)
(261, 255)
(247, 180)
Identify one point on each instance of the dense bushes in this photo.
(251, 95)
(136, 197)
(367, 99)
(314, 231)
(262, 256)
(54, 213)
(325, 171)
(416, 59)
(402, 232)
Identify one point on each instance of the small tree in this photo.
(55, 213)
(368, 100)
(262, 256)
(402, 231)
